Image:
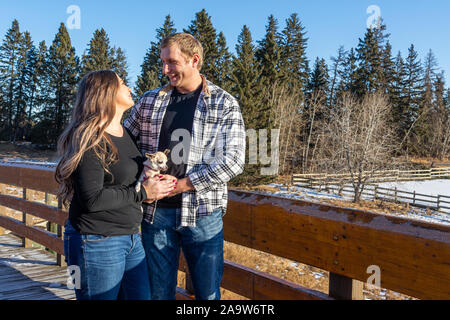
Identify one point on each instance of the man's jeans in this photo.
(202, 247)
(110, 267)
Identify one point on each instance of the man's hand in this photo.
(158, 187)
(183, 185)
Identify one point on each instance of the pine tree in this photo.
(42, 74)
(348, 74)
(26, 88)
(223, 63)
(119, 63)
(388, 69)
(293, 61)
(151, 76)
(398, 98)
(9, 56)
(64, 71)
(202, 29)
(414, 84)
(99, 55)
(370, 52)
(245, 76)
(268, 53)
(319, 78)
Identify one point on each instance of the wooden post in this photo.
(26, 243)
(375, 196)
(395, 199)
(414, 197)
(2, 191)
(60, 233)
(187, 280)
(438, 202)
(345, 288)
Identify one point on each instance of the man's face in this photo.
(177, 66)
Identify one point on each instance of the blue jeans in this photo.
(202, 247)
(111, 268)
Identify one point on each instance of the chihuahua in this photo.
(155, 163)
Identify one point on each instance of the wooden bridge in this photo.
(413, 257)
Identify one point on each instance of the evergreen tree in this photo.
(42, 74)
(245, 76)
(99, 55)
(151, 76)
(388, 69)
(119, 63)
(268, 53)
(370, 53)
(64, 71)
(293, 61)
(398, 98)
(202, 29)
(9, 56)
(319, 78)
(26, 88)
(413, 84)
(348, 74)
(223, 63)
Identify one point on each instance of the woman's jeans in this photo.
(202, 247)
(110, 268)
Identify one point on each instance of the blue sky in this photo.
(329, 24)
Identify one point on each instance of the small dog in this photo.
(156, 162)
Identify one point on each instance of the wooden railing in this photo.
(413, 257)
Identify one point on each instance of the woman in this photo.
(99, 166)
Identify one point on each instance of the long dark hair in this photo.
(93, 111)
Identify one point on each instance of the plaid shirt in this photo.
(216, 152)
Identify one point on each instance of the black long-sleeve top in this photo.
(108, 205)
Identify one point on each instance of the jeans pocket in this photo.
(94, 238)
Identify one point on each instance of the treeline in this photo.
(275, 83)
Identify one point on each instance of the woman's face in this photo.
(124, 100)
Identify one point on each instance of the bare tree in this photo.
(287, 109)
(357, 139)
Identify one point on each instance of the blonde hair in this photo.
(93, 112)
(188, 46)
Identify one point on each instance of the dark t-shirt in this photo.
(179, 115)
(108, 205)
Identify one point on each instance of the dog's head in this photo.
(157, 161)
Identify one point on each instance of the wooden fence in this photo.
(413, 257)
(378, 176)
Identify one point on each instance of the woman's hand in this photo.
(157, 188)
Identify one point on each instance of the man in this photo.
(203, 127)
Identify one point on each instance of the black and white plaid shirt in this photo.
(216, 152)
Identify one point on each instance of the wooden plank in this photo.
(413, 256)
(36, 209)
(42, 237)
(38, 178)
(258, 285)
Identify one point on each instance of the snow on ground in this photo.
(27, 162)
(429, 187)
(306, 194)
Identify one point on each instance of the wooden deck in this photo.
(30, 274)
